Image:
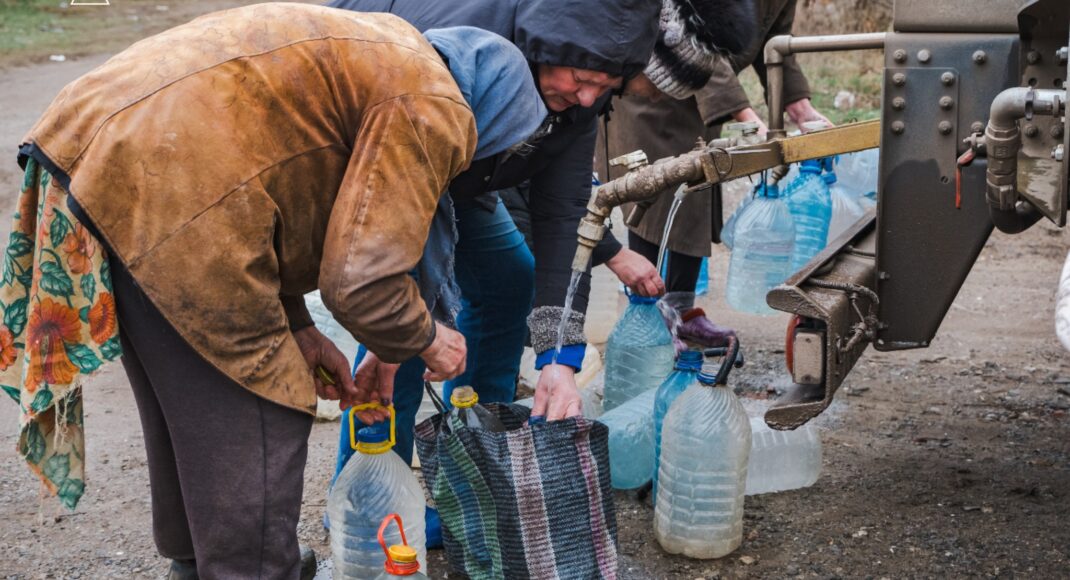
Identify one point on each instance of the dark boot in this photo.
(695, 327)
(183, 570)
(308, 563)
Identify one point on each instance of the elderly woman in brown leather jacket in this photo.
(227, 167)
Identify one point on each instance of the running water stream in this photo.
(572, 284)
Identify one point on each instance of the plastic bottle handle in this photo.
(363, 407)
(396, 568)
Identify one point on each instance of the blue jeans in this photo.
(496, 274)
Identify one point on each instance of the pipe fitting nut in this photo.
(1031, 131)
(1057, 131)
(1002, 197)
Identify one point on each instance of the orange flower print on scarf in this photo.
(79, 246)
(49, 326)
(102, 318)
(8, 352)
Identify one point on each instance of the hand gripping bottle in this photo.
(374, 484)
(683, 375)
(639, 354)
(705, 445)
(401, 562)
(467, 409)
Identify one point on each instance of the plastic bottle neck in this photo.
(769, 190)
(637, 299)
(464, 398)
(689, 361)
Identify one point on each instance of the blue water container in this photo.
(761, 256)
(811, 209)
(631, 441)
(686, 372)
(639, 353)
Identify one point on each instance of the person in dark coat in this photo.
(702, 47)
(578, 52)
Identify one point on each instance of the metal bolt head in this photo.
(1031, 131)
(924, 55)
(1032, 57)
(899, 55)
(1058, 153)
(979, 57)
(944, 127)
(899, 79)
(948, 78)
(899, 103)
(898, 127)
(946, 102)
(1061, 55)
(977, 127)
(1057, 131)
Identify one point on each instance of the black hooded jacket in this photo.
(612, 36)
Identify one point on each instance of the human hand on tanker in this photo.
(445, 358)
(637, 273)
(803, 111)
(749, 115)
(556, 394)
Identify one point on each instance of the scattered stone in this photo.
(860, 533)
(753, 535)
(57, 57)
(747, 560)
(987, 509)
(971, 508)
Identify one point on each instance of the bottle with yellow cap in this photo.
(374, 484)
(467, 409)
(401, 561)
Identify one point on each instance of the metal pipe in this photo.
(1003, 141)
(780, 47)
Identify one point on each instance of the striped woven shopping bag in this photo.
(532, 502)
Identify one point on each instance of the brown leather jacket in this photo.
(241, 160)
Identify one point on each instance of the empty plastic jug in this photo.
(631, 441)
(374, 484)
(684, 374)
(401, 559)
(845, 207)
(467, 409)
(728, 230)
(811, 209)
(639, 354)
(705, 445)
(782, 460)
(761, 257)
(857, 173)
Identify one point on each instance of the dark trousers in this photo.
(226, 467)
(683, 269)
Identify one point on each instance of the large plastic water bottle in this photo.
(857, 172)
(728, 230)
(811, 208)
(470, 413)
(631, 441)
(761, 256)
(705, 445)
(639, 354)
(684, 374)
(845, 207)
(782, 460)
(374, 484)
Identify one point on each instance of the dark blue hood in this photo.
(611, 36)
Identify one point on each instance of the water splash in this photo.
(565, 314)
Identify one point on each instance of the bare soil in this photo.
(945, 462)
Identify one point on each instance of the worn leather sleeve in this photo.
(722, 96)
(406, 152)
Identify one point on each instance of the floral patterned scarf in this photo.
(58, 324)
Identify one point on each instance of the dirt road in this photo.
(945, 462)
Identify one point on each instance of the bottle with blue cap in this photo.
(761, 255)
(639, 353)
(374, 484)
(705, 445)
(684, 374)
(811, 209)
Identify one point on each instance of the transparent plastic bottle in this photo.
(631, 441)
(811, 208)
(466, 407)
(374, 484)
(761, 257)
(639, 354)
(857, 173)
(782, 460)
(728, 230)
(705, 444)
(684, 374)
(845, 208)
(703, 284)
(401, 559)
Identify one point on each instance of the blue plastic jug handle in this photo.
(536, 420)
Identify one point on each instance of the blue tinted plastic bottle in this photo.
(845, 207)
(686, 372)
(631, 441)
(811, 208)
(639, 353)
(761, 256)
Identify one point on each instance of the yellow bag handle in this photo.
(371, 448)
